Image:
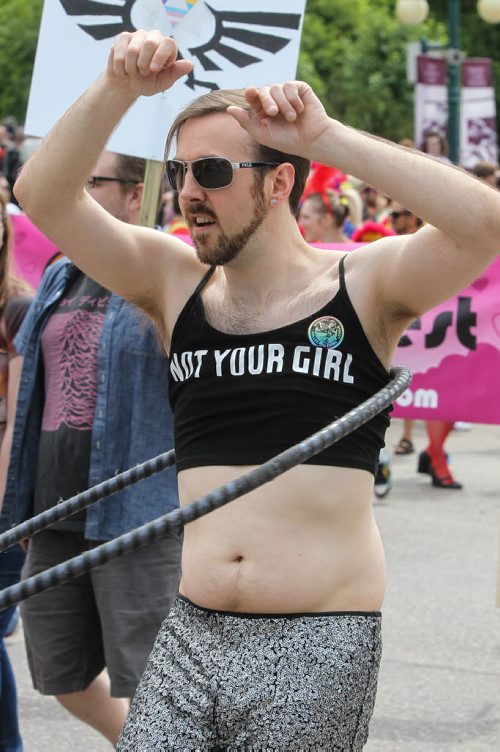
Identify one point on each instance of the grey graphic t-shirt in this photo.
(70, 343)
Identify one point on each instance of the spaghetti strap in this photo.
(203, 281)
(342, 273)
(190, 303)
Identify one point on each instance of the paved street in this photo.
(439, 687)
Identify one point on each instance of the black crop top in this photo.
(240, 399)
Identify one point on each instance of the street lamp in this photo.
(413, 12)
(489, 10)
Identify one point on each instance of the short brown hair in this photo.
(443, 142)
(129, 168)
(218, 101)
(484, 169)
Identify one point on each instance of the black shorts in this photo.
(108, 617)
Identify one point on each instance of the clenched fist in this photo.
(145, 63)
(288, 117)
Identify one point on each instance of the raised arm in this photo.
(126, 259)
(413, 273)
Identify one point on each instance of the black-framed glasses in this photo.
(211, 173)
(93, 180)
(396, 214)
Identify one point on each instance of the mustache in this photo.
(198, 207)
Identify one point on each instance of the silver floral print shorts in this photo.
(218, 680)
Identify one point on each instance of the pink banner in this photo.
(32, 250)
(454, 354)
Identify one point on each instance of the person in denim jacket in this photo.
(92, 403)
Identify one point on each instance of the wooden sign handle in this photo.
(151, 193)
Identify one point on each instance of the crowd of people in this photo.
(83, 395)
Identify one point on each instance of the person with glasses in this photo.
(93, 402)
(403, 221)
(274, 640)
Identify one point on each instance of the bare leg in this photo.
(408, 426)
(97, 708)
(405, 444)
(437, 432)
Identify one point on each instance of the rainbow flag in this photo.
(177, 9)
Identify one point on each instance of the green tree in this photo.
(19, 23)
(354, 55)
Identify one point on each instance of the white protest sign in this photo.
(233, 43)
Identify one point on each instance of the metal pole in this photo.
(454, 80)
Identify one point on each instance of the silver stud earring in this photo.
(274, 202)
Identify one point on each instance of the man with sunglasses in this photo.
(274, 641)
(403, 221)
(93, 402)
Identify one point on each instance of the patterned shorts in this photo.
(229, 681)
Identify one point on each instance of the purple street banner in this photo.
(478, 134)
(431, 104)
(232, 44)
(478, 128)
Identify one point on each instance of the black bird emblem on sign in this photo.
(104, 20)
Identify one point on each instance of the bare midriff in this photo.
(306, 542)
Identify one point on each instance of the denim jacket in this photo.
(132, 421)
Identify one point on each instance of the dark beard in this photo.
(228, 247)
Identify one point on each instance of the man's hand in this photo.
(288, 117)
(145, 63)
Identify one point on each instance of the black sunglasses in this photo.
(396, 214)
(211, 173)
(94, 179)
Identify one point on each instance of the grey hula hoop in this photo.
(141, 536)
(85, 499)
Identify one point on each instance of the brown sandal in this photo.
(404, 447)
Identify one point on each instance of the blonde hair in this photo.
(355, 205)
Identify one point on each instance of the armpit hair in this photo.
(150, 312)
